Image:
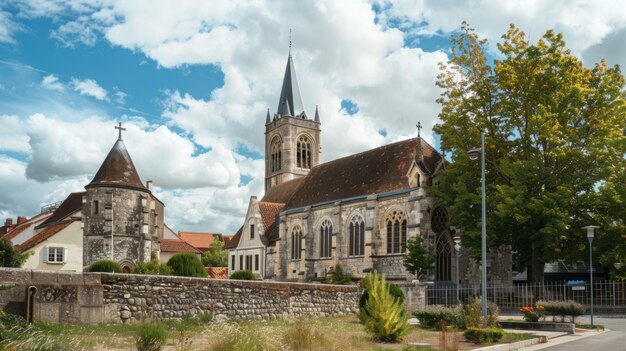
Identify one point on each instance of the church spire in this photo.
(267, 118)
(290, 92)
(317, 115)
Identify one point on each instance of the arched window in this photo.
(439, 224)
(296, 243)
(356, 237)
(326, 232)
(303, 152)
(276, 159)
(396, 232)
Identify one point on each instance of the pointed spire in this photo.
(290, 91)
(267, 118)
(287, 110)
(117, 170)
(317, 115)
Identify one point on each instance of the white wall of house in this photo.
(250, 251)
(69, 241)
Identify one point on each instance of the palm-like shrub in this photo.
(243, 274)
(187, 265)
(383, 315)
(105, 266)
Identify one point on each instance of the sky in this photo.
(192, 80)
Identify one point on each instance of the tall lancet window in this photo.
(303, 155)
(396, 232)
(276, 160)
(296, 243)
(356, 240)
(326, 232)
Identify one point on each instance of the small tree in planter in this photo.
(417, 260)
(383, 315)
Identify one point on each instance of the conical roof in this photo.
(117, 170)
(290, 92)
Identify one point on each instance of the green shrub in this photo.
(105, 266)
(338, 276)
(152, 268)
(243, 274)
(472, 314)
(430, 316)
(187, 265)
(483, 335)
(9, 320)
(383, 315)
(151, 337)
(394, 290)
(560, 309)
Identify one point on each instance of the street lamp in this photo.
(457, 247)
(473, 155)
(590, 229)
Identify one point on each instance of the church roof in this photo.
(375, 171)
(117, 170)
(269, 211)
(290, 100)
(283, 192)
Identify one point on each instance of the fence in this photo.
(609, 296)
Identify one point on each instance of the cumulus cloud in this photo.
(12, 134)
(52, 82)
(89, 87)
(8, 28)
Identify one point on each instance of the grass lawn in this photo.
(311, 334)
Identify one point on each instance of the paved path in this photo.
(614, 339)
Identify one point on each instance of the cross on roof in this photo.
(120, 130)
(290, 41)
(419, 128)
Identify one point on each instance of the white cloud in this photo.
(52, 82)
(12, 134)
(89, 87)
(8, 28)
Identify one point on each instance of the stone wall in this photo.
(115, 298)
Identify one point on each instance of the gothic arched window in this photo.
(326, 232)
(356, 237)
(396, 231)
(296, 243)
(439, 224)
(303, 152)
(276, 155)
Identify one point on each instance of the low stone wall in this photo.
(114, 298)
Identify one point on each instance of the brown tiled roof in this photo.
(269, 210)
(44, 234)
(174, 245)
(281, 193)
(117, 170)
(375, 171)
(32, 221)
(200, 240)
(73, 203)
(233, 241)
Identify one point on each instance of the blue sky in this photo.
(192, 82)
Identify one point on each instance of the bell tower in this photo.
(292, 139)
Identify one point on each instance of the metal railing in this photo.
(609, 296)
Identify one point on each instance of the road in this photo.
(612, 340)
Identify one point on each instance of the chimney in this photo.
(149, 185)
(21, 219)
(8, 225)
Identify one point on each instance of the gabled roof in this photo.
(29, 223)
(175, 245)
(375, 171)
(269, 211)
(233, 241)
(118, 170)
(290, 102)
(71, 204)
(200, 240)
(45, 234)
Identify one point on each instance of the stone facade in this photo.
(116, 298)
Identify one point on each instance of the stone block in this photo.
(70, 278)
(91, 314)
(45, 278)
(15, 275)
(46, 312)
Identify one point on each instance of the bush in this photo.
(243, 274)
(532, 314)
(244, 338)
(187, 265)
(105, 266)
(10, 256)
(472, 314)
(300, 336)
(430, 316)
(383, 315)
(483, 335)
(9, 320)
(561, 309)
(151, 337)
(152, 268)
(394, 290)
(337, 276)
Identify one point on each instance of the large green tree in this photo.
(554, 133)
(10, 256)
(216, 255)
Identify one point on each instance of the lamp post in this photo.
(457, 247)
(473, 155)
(590, 229)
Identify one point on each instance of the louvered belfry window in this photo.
(303, 152)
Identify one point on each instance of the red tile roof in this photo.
(174, 245)
(281, 193)
(269, 211)
(233, 240)
(72, 204)
(32, 221)
(44, 234)
(199, 240)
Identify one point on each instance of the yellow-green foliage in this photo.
(383, 314)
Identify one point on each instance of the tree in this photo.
(10, 256)
(554, 131)
(417, 260)
(187, 265)
(383, 314)
(215, 256)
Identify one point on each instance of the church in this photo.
(357, 211)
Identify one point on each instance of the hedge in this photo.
(483, 335)
(562, 309)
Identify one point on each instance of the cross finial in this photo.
(289, 41)
(419, 128)
(120, 129)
